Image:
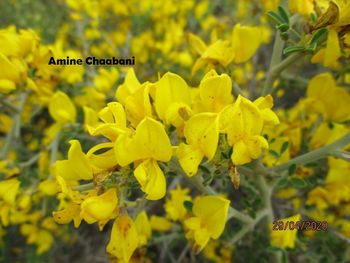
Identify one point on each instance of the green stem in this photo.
(275, 59)
(84, 187)
(15, 131)
(248, 227)
(342, 155)
(276, 70)
(236, 89)
(54, 147)
(31, 161)
(331, 149)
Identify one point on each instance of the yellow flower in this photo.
(245, 41)
(76, 167)
(202, 136)
(135, 97)
(66, 215)
(149, 144)
(124, 239)
(304, 7)
(62, 109)
(210, 213)
(265, 104)
(243, 123)
(174, 206)
(48, 187)
(215, 92)
(328, 98)
(99, 208)
(171, 94)
(159, 223)
(105, 79)
(285, 238)
(143, 227)
(113, 122)
(329, 55)
(9, 190)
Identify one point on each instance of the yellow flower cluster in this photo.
(99, 145)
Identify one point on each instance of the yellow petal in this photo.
(332, 52)
(7, 86)
(196, 43)
(61, 108)
(151, 141)
(151, 179)
(240, 153)
(143, 227)
(171, 88)
(65, 216)
(215, 92)
(213, 211)
(159, 223)
(76, 167)
(245, 40)
(124, 239)
(99, 208)
(105, 160)
(285, 238)
(9, 190)
(8, 69)
(189, 158)
(130, 86)
(201, 131)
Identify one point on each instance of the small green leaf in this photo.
(274, 154)
(319, 36)
(284, 35)
(285, 258)
(204, 169)
(294, 49)
(188, 205)
(283, 14)
(311, 165)
(283, 27)
(282, 183)
(275, 18)
(313, 17)
(311, 47)
(207, 178)
(171, 174)
(292, 169)
(284, 147)
(298, 183)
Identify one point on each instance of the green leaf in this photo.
(274, 154)
(284, 35)
(283, 27)
(204, 169)
(275, 18)
(285, 258)
(313, 17)
(311, 47)
(292, 169)
(282, 183)
(319, 36)
(283, 14)
(294, 49)
(207, 179)
(171, 174)
(188, 205)
(284, 147)
(298, 183)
